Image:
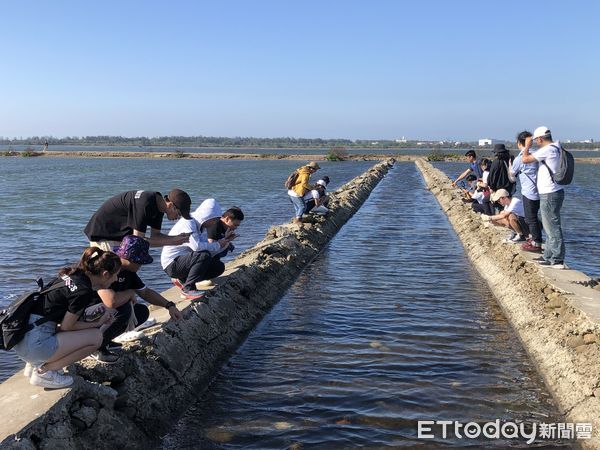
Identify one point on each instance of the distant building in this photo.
(588, 141)
(401, 141)
(484, 142)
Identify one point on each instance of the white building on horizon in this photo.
(486, 141)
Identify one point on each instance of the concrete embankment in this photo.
(556, 318)
(133, 403)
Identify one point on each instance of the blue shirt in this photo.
(476, 169)
(527, 177)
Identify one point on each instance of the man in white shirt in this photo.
(551, 194)
(511, 217)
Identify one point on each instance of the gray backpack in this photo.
(566, 167)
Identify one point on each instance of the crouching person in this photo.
(512, 216)
(64, 339)
(316, 200)
(197, 260)
(122, 296)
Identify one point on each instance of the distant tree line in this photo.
(281, 142)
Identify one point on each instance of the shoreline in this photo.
(248, 156)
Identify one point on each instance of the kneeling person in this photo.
(122, 294)
(512, 217)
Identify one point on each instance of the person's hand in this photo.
(453, 184)
(486, 218)
(175, 313)
(181, 238)
(107, 318)
(230, 235)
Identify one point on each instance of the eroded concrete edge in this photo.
(135, 402)
(560, 338)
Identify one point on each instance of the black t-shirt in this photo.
(120, 215)
(127, 280)
(216, 231)
(76, 295)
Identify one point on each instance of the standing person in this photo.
(300, 188)
(121, 295)
(474, 166)
(527, 173)
(192, 262)
(499, 177)
(551, 194)
(48, 348)
(132, 212)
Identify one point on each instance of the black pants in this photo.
(531, 208)
(483, 208)
(119, 326)
(194, 267)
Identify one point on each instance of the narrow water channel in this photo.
(388, 326)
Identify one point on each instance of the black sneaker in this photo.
(105, 356)
(539, 259)
(114, 345)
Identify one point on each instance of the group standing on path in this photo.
(542, 168)
(86, 309)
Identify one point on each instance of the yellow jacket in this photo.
(302, 187)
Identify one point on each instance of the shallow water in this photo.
(580, 216)
(388, 326)
(46, 203)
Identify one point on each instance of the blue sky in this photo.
(352, 69)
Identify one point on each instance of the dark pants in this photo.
(532, 208)
(194, 267)
(483, 208)
(525, 231)
(119, 326)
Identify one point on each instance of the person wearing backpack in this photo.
(299, 187)
(551, 193)
(63, 338)
(527, 174)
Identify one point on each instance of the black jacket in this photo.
(498, 177)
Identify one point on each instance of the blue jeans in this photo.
(299, 205)
(550, 205)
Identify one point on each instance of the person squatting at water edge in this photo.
(132, 212)
(196, 260)
(299, 188)
(527, 174)
(121, 296)
(474, 166)
(64, 338)
(316, 200)
(512, 217)
(551, 194)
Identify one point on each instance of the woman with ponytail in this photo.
(63, 338)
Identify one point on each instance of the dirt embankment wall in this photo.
(561, 338)
(136, 401)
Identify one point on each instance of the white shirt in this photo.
(515, 207)
(311, 194)
(198, 242)
(484, 177)
(551, 156)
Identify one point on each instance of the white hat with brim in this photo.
(499, 194)
(540, 132)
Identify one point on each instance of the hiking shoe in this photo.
(531, 246)
(114, 345)
(191, 294)
(28, 370)
(105, 356)
(177, 283)
(50, 379)
(558, 265)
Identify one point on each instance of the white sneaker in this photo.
(129, 336)
(205, 284)
(147, 324)
(51, 379)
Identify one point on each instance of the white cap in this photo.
(208, 209)
(322, 183)
(499, 193)
(540, 132)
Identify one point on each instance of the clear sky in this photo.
(447, 69)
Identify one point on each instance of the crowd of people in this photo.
(491, 188)
(86, 308)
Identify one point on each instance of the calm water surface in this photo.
(388, 326)
(46, 203)
(580, 216)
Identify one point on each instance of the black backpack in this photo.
(14, 320)
(566, 167)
